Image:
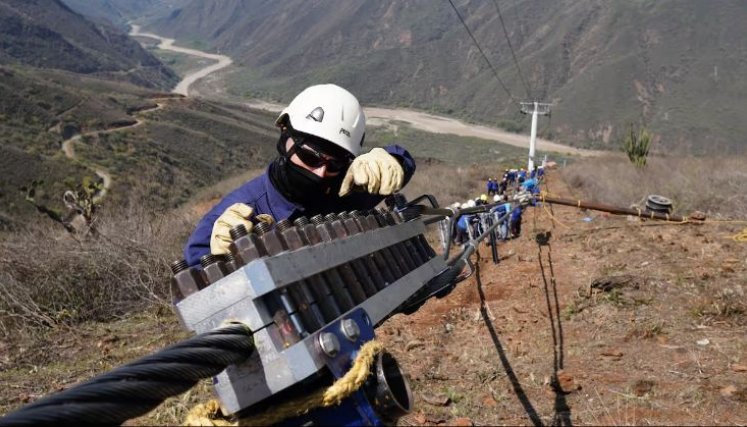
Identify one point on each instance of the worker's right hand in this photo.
(236, 214)
(376, 171)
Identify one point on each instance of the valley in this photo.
(377, 116)
(586, 318)
(183, 87)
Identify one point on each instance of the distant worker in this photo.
(319, 163)
(512, 176)
(531, 185)
(463, 227)
(489, 186)
(515, 221)
(492, 187)
(503, 186)
(499, 211)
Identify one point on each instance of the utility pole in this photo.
(535, 109)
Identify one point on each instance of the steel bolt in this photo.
(350, 329)
(329, 343)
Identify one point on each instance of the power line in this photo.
(513, 54)
(516, 16)
(495, 73)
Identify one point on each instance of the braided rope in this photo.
(208, 414)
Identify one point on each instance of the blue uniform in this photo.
(463, 222)
(501, 210)
(530, 185)
(515, 223)
(260, 194)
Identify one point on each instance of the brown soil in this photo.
(614, 322)
(530, 341)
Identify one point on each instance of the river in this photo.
(182, 88)
(376, 116)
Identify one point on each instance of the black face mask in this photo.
(301, 186)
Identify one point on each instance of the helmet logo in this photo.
(345, 132)
(317, 114)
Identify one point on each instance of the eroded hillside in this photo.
(675, 65)
(615, 322)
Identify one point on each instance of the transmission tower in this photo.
(535, 109)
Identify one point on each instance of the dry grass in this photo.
(450, 183)
(716, 186)
(49, 278)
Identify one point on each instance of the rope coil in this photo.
(208, 414)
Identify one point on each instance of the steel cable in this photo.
(136, 388)
(490, 64)
(513, 54)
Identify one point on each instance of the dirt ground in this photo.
(614, 322)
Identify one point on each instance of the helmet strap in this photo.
(282, 142)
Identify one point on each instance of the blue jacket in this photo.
(516, 214)
(260, 194)
(530, 185)
(463, 222)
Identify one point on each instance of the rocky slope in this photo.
(48, 34)
(675, 65)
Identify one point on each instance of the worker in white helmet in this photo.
(320, 162)
(462, 225)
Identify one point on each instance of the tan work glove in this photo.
(236, 214)
(377, 171)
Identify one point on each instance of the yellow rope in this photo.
(552, 217)
(740, 237)
(208, 414)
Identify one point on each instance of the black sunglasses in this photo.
(303, 147)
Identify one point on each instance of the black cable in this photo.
(513, 54)
(138, 387)
(518, 23)
(495, 73)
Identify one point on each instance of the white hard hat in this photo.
(464, 206)
(329, 112)
(471, 203)
(496, 198)
(455, 205)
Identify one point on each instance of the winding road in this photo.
(69, 149)
(182, 88)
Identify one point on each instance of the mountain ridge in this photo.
(48, 34)
(603, 64)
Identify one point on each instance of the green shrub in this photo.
(636, 144)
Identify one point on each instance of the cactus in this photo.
(636, 145)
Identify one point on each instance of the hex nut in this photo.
(329, 343)
(350, 329)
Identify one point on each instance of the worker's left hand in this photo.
(377, 171)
